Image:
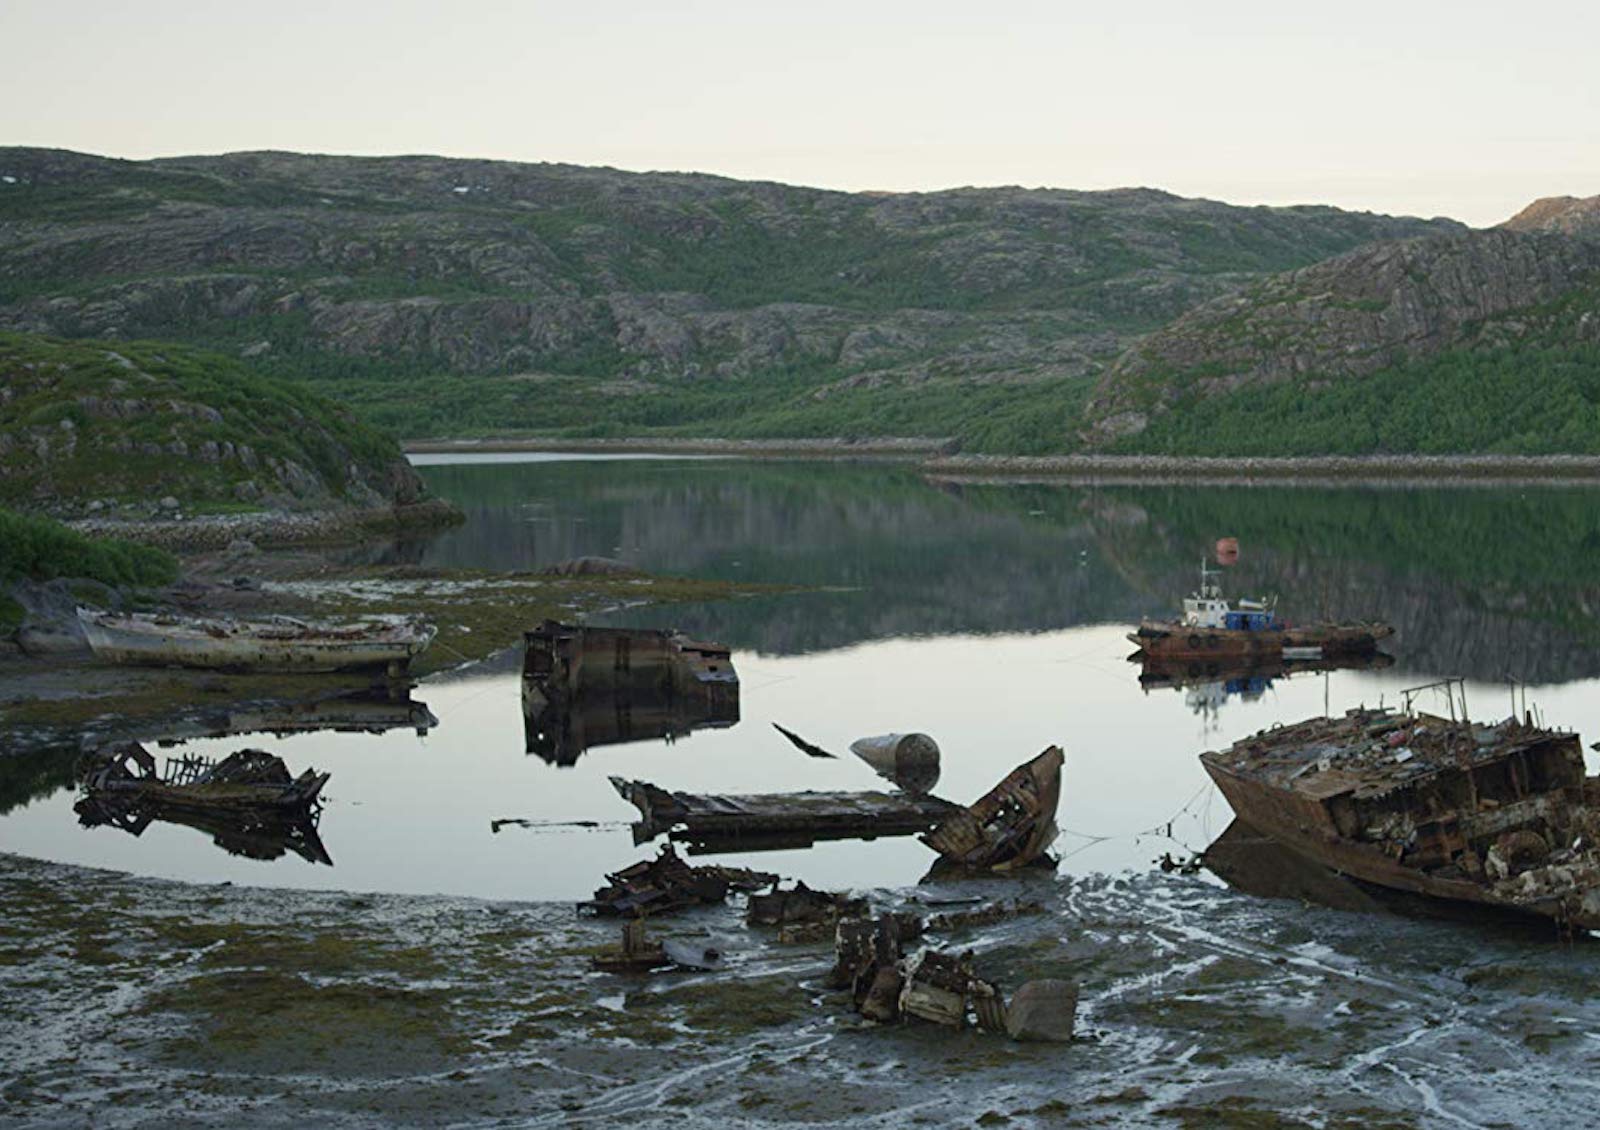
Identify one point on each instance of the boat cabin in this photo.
(1207, 608)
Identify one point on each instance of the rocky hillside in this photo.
(140, 429)
(642, 294)
(1447, 314)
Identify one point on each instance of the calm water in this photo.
(989, 616)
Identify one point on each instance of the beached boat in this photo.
(1213, 628)
(1499, 815)
(283, 643)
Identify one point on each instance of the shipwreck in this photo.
(1009, 827)
(1497, 815)
(584, 687)
(248, 802)
(280, 644)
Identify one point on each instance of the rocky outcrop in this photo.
(1351, 315)
(1569, 215)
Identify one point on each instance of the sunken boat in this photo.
(584, 687)
(1498, 815)
(278, 644)
(1215, 629)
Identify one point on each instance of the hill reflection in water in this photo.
(1482, 581)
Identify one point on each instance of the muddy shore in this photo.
(131, 1001)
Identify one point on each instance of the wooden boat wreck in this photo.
(1008, 827)
(249, 779)
(1499, 815)
(667, 883)
(1011, 825)
(1214, 629)
(584, 687)
(775, 821)
(281, 644)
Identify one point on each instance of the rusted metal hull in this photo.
(1170, 640)
(584, 687)
(1325, 829)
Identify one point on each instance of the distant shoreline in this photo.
(937, 457)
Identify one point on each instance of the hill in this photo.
(103, 426)
(1475, 342)
(458, 297)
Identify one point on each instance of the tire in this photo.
(1194, 642)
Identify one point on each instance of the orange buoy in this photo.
(1227, 551)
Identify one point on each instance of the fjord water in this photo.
(988, 615)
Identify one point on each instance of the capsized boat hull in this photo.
(376, 643)
(1171, 639)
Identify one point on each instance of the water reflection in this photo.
(1481, 581)
(1208, 685)
(592, 686)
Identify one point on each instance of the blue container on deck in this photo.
(1247, 621)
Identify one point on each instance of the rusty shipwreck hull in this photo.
(584, 687)
(1497, 816)
(1011, 825)
(1172, 640)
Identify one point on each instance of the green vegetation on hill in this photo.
(38, 549)
(1536, 398)
(136, 421)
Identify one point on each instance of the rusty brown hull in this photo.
(1171, 640)
(1304, 826)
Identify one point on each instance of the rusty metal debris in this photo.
(1011, 825)
(584, 687)
(1500, 815)
(802, 914)
(888, 983)
(769, 821)
(667, 883)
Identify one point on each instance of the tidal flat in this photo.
(131, 1001)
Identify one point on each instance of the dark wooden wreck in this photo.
(1498, 815)
(250, 780)
(248, 802)
(584, 687)
(1011, 825)
(774, 821)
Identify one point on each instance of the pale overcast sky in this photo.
(1464, 109)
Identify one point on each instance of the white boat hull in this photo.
(243, 646)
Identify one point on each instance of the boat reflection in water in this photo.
(1208, 685)
(367, 710)
(584, 687)
(248, 803)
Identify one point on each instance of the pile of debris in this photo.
(667, 883)
(802, 914)
(889, 984)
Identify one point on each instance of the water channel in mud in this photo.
(990, 616)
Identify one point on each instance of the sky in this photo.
(1465, 109)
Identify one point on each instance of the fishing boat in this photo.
(1498, 815)
(282, 643)
(1214, 628)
